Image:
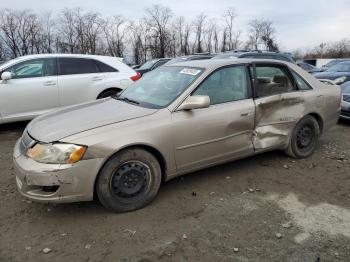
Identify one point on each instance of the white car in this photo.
(35, 84)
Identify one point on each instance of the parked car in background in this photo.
(190, 58)
(35, 84)
(268, 55)
(136, 66)
(339, 73)
(256, 55)
(119, 148)
(329, 65)
(151, 65)
(307, 67)
(345, 104)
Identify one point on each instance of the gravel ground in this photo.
(264, 208)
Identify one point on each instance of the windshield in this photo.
(341, 67)
(160, 87)
(8, 63)
(147, 65)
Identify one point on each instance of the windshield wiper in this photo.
(128, 100)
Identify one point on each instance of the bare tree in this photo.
(229, 17)
(158, 18)
(67, 37)
(199, 25)
(268, 35)
(255, 33)
(47, 39)
(114, 29)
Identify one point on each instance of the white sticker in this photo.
(190, 71)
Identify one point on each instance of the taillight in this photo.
(136, 77)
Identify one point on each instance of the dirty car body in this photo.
(204, 113)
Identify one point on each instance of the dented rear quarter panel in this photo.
(277, 115)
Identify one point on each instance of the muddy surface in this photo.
(264, 208)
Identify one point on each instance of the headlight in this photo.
(340, 80)
(57, 153)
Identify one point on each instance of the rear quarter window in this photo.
(104, 68)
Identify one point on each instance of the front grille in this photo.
(26, 142)
(345, 113)
(346, 98)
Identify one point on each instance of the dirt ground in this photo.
(264, 208)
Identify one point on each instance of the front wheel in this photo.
(129, 180)
(304, 138)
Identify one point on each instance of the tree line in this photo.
(337, 49)
(159, 33)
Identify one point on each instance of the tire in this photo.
(108, 93)
(304, 138)
(129, 180)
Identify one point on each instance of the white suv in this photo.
(35, 84)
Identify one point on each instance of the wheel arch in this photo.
(118, 89)
(319, 120)
(151, 149)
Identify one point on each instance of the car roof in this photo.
(215, 63)
(61, 55)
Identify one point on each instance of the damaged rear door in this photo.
(278, 105)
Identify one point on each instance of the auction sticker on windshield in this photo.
(190, 71)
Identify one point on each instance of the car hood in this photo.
(72, 120)
(331, 75)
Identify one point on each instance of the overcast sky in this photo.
(299, 23)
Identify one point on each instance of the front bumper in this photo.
(53, 182)
(345, 110)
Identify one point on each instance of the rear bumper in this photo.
(55, 183)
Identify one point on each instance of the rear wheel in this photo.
(108, 93)
(304, 138)
(129, 180)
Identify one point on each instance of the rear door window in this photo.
(301, 83)
(73, 66)
(272, 80)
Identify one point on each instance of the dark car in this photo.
(268, 55)
(306, 66)
(329, 65)
(345, 102)
(189, 58)
(339, 73)
(151, 65)
(257, 55)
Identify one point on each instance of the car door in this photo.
(31, 91)
(278, 105)
(79, 80)
(221, 132)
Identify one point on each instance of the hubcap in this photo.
(130, 179)
(304, 136)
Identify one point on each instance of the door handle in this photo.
(49, 83)
(246, 113)
(97, 78)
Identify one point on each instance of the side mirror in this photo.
(6, 76)
(195, 102)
